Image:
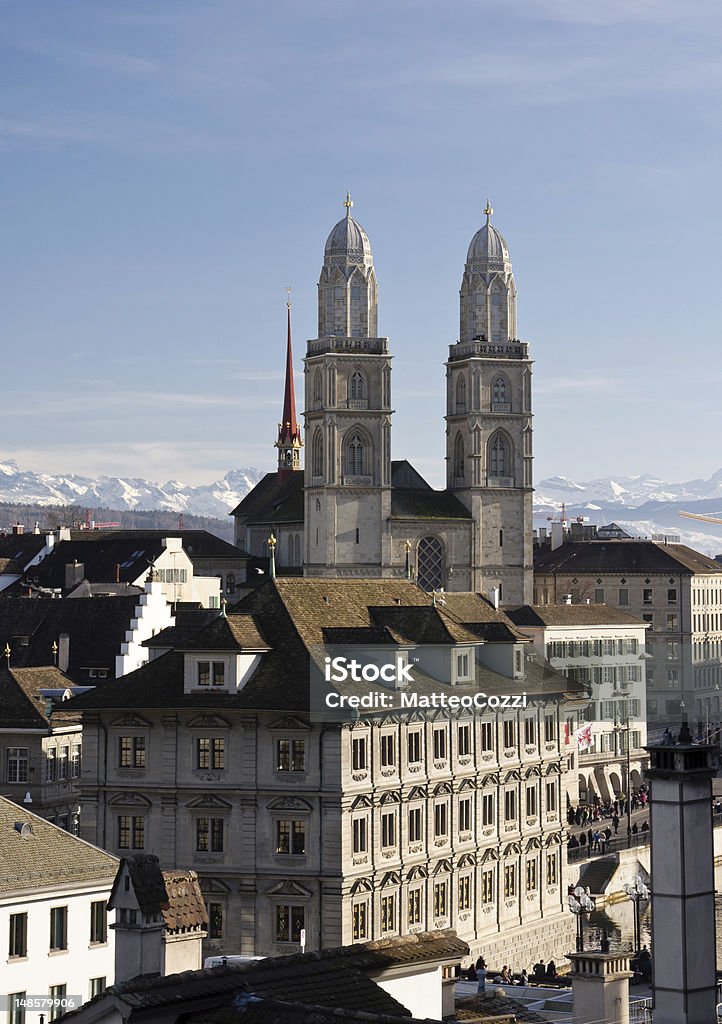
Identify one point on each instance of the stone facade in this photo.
(364, 516)
(677, 592)
(351, 830)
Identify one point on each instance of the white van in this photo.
(221, 961)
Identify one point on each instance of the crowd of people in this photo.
(598, 809)
(541, 973)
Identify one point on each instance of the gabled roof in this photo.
(236, 632)
(196, 543)
(20, 548)
(332, 978)
(572, 615)
(404, 476)
(624, 556)
(123, 555)
(96, 627)
(281, 1011)
(21, 707)
(276, 498)
(296, 616)
(418, 503)
(46, 856)
(175, 895)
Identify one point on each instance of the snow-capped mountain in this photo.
(216, 499)
(643, 505)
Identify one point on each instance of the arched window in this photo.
(499, 390)
(461, 393)
(430, 563)
(230, 583)
(499, 464)
(355, 455)
(317, 386)
(318, 453)
(459, 458)
(357, 385)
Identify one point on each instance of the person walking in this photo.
(615, 823)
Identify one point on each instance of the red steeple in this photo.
(289, 441)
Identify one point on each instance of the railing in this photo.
(618, 842)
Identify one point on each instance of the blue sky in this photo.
(168, 167)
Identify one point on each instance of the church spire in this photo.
(289, 441)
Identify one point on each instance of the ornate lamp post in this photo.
(637, 892)
(580, 903)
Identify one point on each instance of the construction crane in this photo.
(704, 519)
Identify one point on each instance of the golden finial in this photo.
(272, 542)
(288, 300)
(407, 545)
(7, 651)
(348, 203)
(488, 210)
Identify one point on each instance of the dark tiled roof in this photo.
(46, 855)
(196, 543)
(21, 548)
(186, 908)
(188, 623)
(96, 627)
(404, 476)
(278, 1011)
(337, 978)
(308, 978)
(491, 1007)
(274, 499)
(174, 894)
(18, 707)
(235, 632)
(625, 556)
(298, 615)
(571, 615)
(419, 503)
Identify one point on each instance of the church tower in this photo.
(289, 441)
(348, 416)
(489, 421)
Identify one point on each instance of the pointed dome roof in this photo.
(488, 245)
(348, 239)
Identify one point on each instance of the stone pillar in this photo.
(600, 987)
(682, 878)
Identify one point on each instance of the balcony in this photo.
(498, 407)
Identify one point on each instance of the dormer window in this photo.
(211, 673)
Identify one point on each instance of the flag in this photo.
(583, 736)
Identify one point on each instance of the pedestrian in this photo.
(481, 974)
(524, 978)
(635, 829)
(590, 838)
(615, 823)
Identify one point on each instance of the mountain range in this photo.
(644, 505)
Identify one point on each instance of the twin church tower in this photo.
(352, 511)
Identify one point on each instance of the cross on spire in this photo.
(348, 203)
(488, 210)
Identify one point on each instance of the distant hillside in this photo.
(50, 517)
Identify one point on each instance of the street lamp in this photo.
(580, 903)
(638, 891)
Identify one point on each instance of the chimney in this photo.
(600, 987)
(74, 573)
(557, 535)
(683, 886)
(63, 651)
(495, 597)
(18, 529)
